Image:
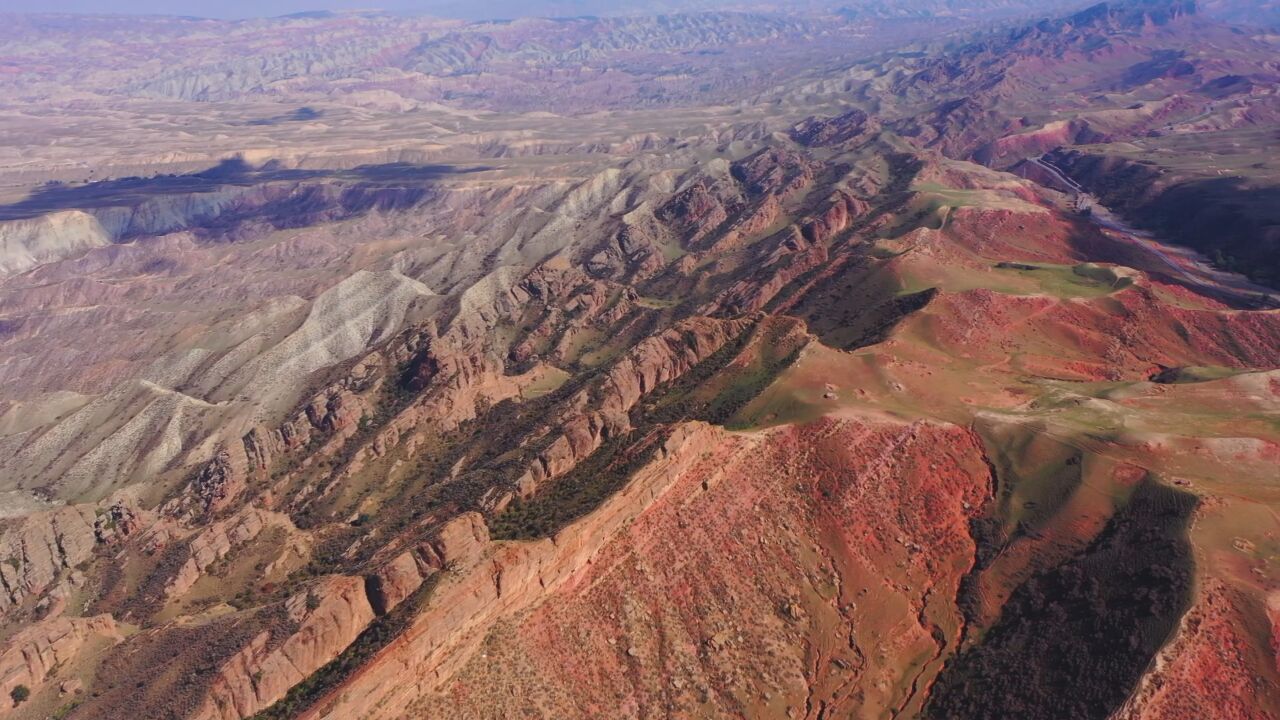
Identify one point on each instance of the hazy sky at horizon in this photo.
(220, 8)
(268, 8)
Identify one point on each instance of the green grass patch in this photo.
(656, 303)
(1064, 281)
(551, 381)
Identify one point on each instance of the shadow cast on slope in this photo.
(1235, 225)
(1073, 640)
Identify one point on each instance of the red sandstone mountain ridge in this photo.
(803, 409)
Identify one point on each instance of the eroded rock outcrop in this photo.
(41, 550)
(327, 618)
(601, 411)
(787, 256)
(847, 128)
(34, 656)
(841, 211)
(217, 541)
(695, 212)
(775, 171)
(502, 579)
(591, 605)
(460, 543)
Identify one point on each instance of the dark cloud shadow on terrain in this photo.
(302, 114)
(399, 180)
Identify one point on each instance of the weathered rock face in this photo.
(217, 484)
(490, 581)
(446, 379)
(792, 258)
(460, 543)
(774, 171)
(591, 606)
(334, 411)
(218, 540)
(327, 617)
(602, 410)
(695, 212)
(752, 222)
(850, 127)
(395, 581)
(840, 213)
(118, 522)
(634, 251)
(42, 550)
(34, 656)
(570, 304)
(233, 666)
(787, 256)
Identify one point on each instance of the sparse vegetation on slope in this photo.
(712, 391)
(381, 632)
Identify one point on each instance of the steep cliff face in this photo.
(459, 544)
(808, 609)
(49, 651)
(326, 618)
